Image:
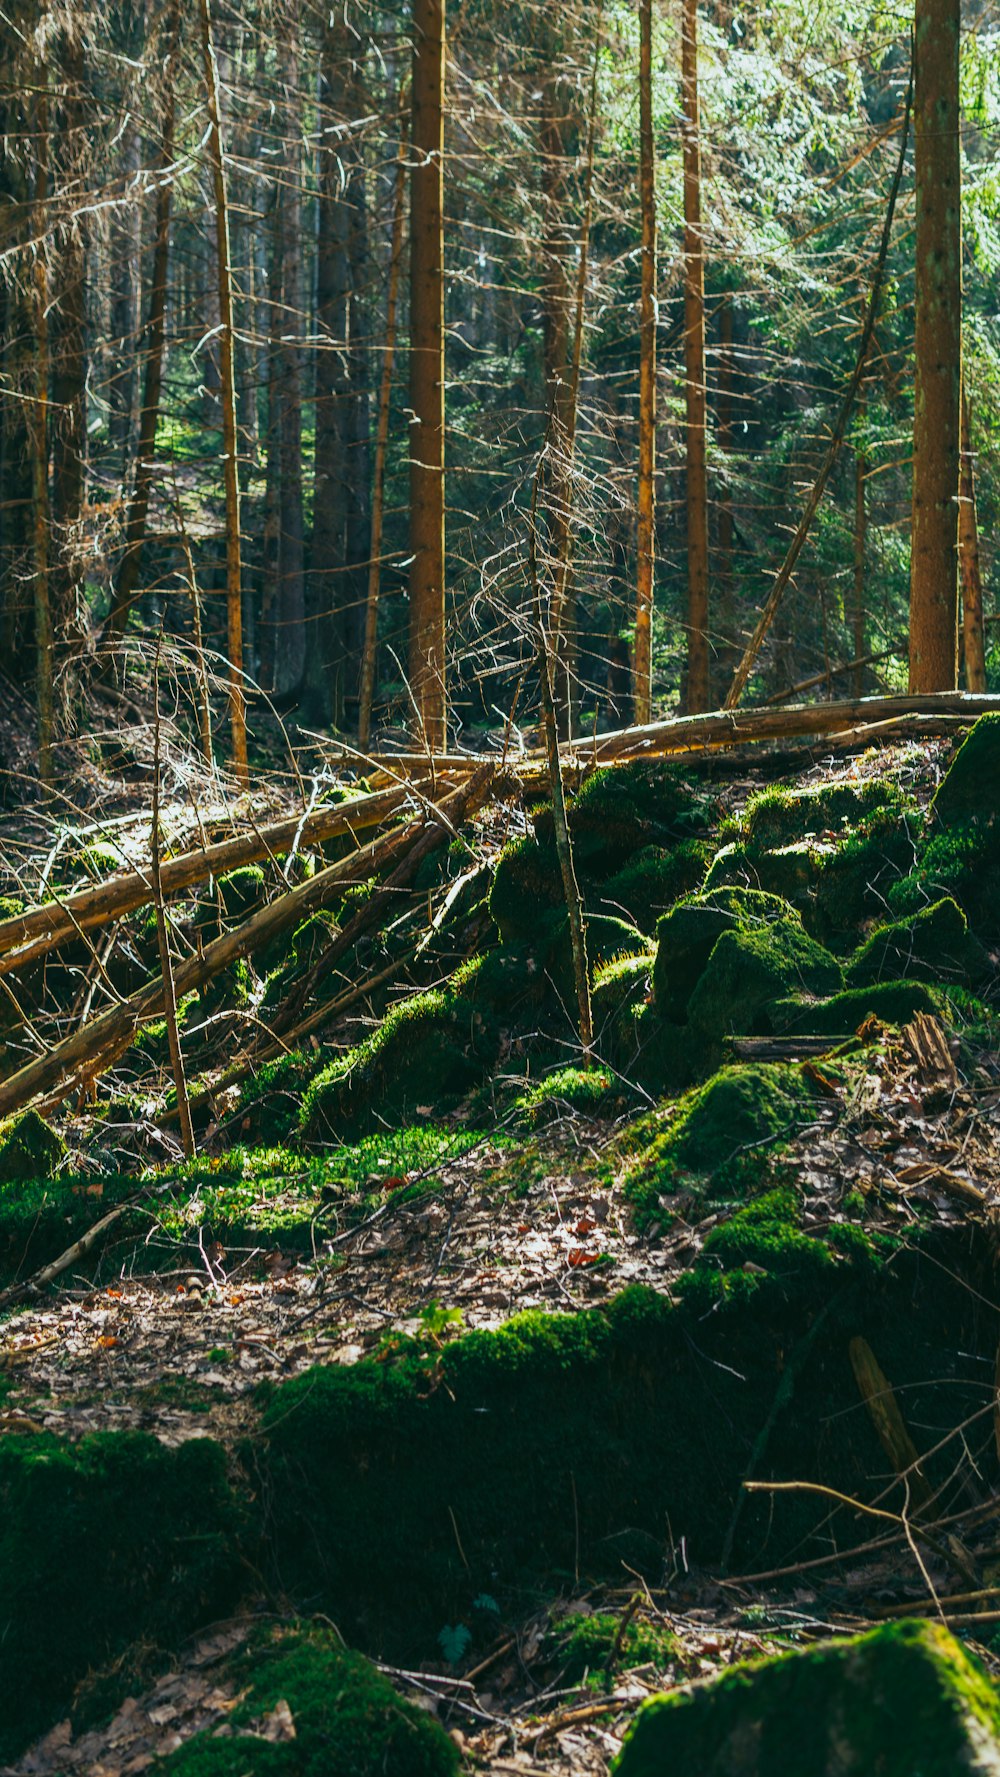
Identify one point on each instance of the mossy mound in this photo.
(29, 1149)
(347, 1719)
(687, 935)
(969, 792)
(724, 1132)
(654, 879)
(267, 1109)
(903, 1699)
(110, 1544)
(620, 813)
(891, 1002)
(590, 1092)
(425, 1055)
(748, 970)
(932, 945)
(781, 816)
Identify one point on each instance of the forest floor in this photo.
(265, 1257)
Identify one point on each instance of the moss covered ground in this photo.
(468, 1349)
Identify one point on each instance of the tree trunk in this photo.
(860, 542)
(290, 650)
(370, 651)
(646, 525)
(427, 372)
(234, 573)
(725, 534)
(937, 349)
(973, 629)
(697, 695)
(326, 662)
(69, 364)
(38, 434)
(135, 527)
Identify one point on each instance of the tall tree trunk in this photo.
(69, 362)
(370, 651)
(234, 572)
(135, 527)
(725, 533)
(697, 696)
(290, 649)
(326, 657)
(937, 349)
(38, 434)
(860, 546)
(973, 627)
(427, 590)
(357, 533)
(646, 526)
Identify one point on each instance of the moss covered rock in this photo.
(752, 967)
(902, 1700)
(654, 879)
(426, 1054)
(781, 816)
(969, 792)
(891, 1002)
(29, 1149)
(108, 1543)
(348, 1720)
(932, 945)
(687, 935)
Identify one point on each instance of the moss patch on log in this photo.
(904, 1698)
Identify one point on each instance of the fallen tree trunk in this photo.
(29, 935)
(927, 713)
(93, 1048)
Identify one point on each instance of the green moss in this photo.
(725, 1132)
(891, 1002)
(29, 1149)
(592, 1092)
(268, 1106)
(427, 1053)
(687, 935)
(586, 1644)
(526, 883)
(654, 879)
(791, 871)
(780, 816)
(968, 792)
(904, 1698)
(932, 945)
(963, 862)
(11, 906)
(765, 1233)
(348, 1720)
(748, 970)
(240, 891)
(108, 1544)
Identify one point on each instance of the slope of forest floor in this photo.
(285, 1250)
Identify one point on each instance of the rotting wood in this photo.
(91, 1049)
(26, 936)
(890, 1426)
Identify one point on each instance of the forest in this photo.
(499, 888)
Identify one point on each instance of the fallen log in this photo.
(88, 1051)
(930, 713)
(91, 1049)
(29, 935)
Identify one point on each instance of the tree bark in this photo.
(234, 570)
(290, 641)
(697, 694)
(38, 436)
(860, 544)
(646, 519)
(370, 651)
(135, 526)
(973, 629)
(937, 349)
(725, 535)
(427, 377)
(67, 337)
